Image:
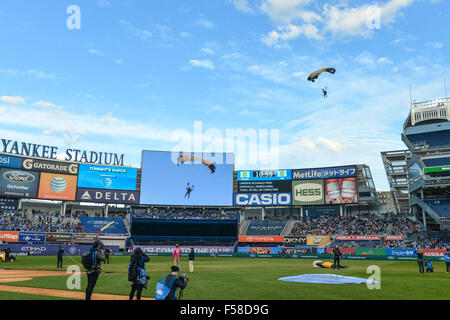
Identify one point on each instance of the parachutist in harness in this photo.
(325, 92)
(189, 189)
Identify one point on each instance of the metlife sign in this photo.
(10, 161)
(107, 196)
(324, 173)
(262, 199)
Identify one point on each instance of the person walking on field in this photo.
(420, 260)
(176, 255)
(59, 255)
(94, 267)
(191, 260)
(337, 258)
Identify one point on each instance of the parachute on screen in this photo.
(190, 158)
(313, 76)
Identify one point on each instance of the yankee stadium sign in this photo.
(49, 152)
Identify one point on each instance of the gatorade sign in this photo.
(307, 192)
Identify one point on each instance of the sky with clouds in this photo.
(138, 73)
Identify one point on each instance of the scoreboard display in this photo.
(255, 175)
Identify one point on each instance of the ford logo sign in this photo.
(18, 176)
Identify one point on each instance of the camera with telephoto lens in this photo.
(184, 277)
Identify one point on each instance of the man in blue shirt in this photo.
(447, 260)
(429, 266)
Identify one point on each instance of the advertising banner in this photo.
(307, 192)
(8, 204)
(185, 178)
(324, 173)
(18, 183)
(394, 237)
(341, 191)
(84, 237)
(401, 252)
(31, 236)
(107, 196)
(55, 186)
(260, 175)
(259, 250)
(436, 169)
(58, 237)
(94, 225)
(9, 236)
(10, 161)
(358, 238)
(262, 199)
(301, 251)
(44, 249)
(370, 251)
(272, 186)
(105, 177)
(186, 249)
(298, 240)
(277, 239)
(434, 252)
(344, 251)
(50, 166)
(317, 240)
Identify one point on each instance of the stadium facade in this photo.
(426, 133)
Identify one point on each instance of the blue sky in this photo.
(138, 71)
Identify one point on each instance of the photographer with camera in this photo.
(137, 273)
(92, 262)
(167, 287)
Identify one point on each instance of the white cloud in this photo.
(205, 23)
(295, 18)
(141, 33)
(46, 104)
(12, 100)
(118, 61)
(103, 3)
(207, 51)
(208, 64)
(95, 52)
(242, 5)
(32, 73)
(332, 145)
(435, 45)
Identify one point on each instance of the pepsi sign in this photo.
(10, 162)
(262, 199)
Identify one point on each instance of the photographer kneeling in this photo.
(137, 273)
(167, 287)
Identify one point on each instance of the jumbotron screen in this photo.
(185, 178)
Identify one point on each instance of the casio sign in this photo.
(262, 199)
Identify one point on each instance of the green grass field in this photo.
(251, 278)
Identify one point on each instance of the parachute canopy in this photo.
(190, 158)
(313, 76)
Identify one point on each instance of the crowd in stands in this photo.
(174, 213)
(353, 226)
(40, 222)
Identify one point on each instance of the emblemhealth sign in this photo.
(307, 192)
